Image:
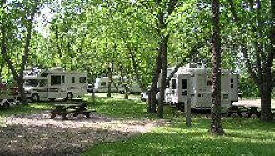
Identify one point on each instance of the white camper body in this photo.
(196, 84)
(101, 85)
(54, 83)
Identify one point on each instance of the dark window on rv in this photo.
(103, 84)
(225, 96)
(174, 83)
(63, 79)
(44, 74)
(73, 79)
(82, 80)
(43, 83)
(184, 83)
(55, 80)
(31, 83)
(209, 83)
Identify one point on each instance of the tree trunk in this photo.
(163, 48)
(266, 91)
(136, 69)
(152, 101)
(109, 94)
(20, 82)
(216, 125)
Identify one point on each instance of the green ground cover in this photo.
(243, 136)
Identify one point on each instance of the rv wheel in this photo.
(6, 105)
(70, 96)
(35, 98)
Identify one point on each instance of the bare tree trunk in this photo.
(216, 125)
(163, 48)
(152, 101)
(266, 91)
(109, 92)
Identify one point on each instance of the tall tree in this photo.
(216, 124)
(28, 10)
(257, 47)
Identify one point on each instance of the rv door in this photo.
(184, 87)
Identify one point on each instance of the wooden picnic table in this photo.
(64, 109)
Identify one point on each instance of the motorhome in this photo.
(101, 85)
(195, 84)
(50, 84)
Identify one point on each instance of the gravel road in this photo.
(37, 134)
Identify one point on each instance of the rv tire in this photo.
(6, 105)
(35, 98)
(70, 96)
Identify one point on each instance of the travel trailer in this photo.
(101, 85)
(194, 83)
(50, 84)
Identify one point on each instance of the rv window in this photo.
(43, 83)
(31, 83)
(82, 80)
(73, 79)
(103, 84)
(225, 96)
(63, 79)
(184, 83)
(174, 83)
(55, 80)
(44, 74)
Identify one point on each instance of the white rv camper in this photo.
(47, 84)
(195, 84)
(101, 85)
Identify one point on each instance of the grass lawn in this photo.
(243, 136)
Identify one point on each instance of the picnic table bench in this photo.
(64, 109)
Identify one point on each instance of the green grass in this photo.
(25, 109)
(120, 108)
(243, 136)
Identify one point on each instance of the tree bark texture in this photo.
(109, 92)
(163, 48)
(216, 124)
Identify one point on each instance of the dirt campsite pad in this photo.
(37, 134)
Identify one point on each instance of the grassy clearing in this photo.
(243, 136)
(25, 109)
(120, 108)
